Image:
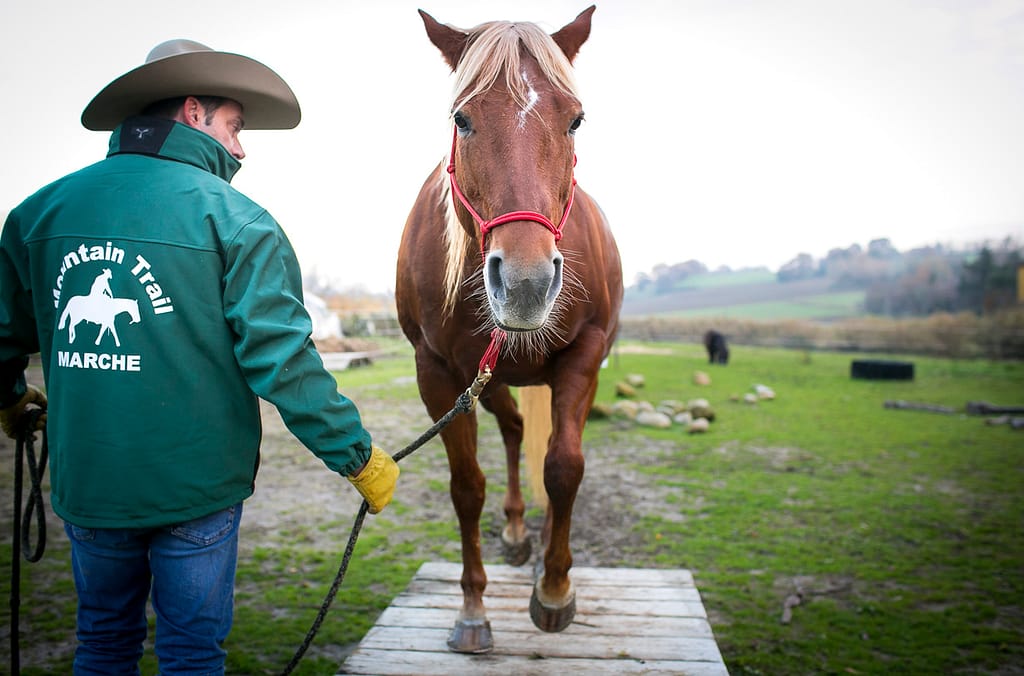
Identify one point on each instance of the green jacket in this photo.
(162, 302)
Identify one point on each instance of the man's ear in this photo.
(191, 112)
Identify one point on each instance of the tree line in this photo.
(982, 279)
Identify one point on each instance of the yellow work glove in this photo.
(9, 416)
(376, 483)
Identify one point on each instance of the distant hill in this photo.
(745, 294)
(846, 282)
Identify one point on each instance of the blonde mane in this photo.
(493, 52)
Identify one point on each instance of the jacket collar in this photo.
(160, 137)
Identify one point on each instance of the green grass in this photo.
(711, 280)
(901, 529)
(714, 280)
(817, 306)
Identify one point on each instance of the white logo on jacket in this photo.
(99, 307)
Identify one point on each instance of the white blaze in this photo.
(531, 100)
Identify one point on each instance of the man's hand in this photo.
(10, 416)
(376, 480)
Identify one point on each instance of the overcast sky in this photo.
(735, 132)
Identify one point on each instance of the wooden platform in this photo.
(628, 621)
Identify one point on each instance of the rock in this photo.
(623, 389)
(683, 418)
(671, 406)
(700, 408)
(625, 409)
(599, 411)
(653, 419)
(699, 426)
(750, 398)
(764, 392)
(701, 378)
(635, 380)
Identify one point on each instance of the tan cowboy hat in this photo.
(187, 68)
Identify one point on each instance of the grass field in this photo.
(710, 280)
(749, 294)
(893, 538)
(818, 306)
(898, 532)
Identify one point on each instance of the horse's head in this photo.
(515, 112)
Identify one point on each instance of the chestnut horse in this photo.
(501, 238)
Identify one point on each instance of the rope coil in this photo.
(34, 508)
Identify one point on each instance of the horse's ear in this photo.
(572, 36)
(450, 41)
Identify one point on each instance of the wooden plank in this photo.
(569, 644)
(339, 361)
(442, 570)
(398, 663)
(585, 590)
(628, 621)
(519, 620)
(522, 600)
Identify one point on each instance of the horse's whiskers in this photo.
(537, 342)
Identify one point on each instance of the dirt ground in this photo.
(298, 500)
(295, 493)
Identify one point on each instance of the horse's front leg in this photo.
(553, 604)
(472, 630)
(515, 539)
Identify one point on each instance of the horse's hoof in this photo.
(516, 553)
(551, 618)
(471, 636)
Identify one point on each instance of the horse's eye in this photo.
(461, 122)
(575, 124)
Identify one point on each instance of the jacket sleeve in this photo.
(18, 336)
(263, 305)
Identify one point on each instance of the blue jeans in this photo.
(190, 569)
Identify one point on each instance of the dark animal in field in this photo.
(718, 350)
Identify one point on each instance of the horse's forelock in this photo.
(494, 52)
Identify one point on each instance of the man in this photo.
(153, 418)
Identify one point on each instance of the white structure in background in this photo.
(326, 324)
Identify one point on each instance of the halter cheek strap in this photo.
(487, 226)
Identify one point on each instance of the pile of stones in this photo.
(694, 415)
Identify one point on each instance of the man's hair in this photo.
(169, 107)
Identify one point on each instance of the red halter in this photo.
(487, 226)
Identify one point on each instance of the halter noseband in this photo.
(487, 226)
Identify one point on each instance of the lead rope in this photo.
(465, 403)
(25, 449)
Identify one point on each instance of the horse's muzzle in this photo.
(521, 295)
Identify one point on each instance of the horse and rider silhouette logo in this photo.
(99, 307)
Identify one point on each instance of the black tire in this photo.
(880, 369)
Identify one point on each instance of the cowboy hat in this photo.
(187, 68)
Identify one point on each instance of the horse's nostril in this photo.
(556, 278)
(494, 281)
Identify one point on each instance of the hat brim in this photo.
(267, 100)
